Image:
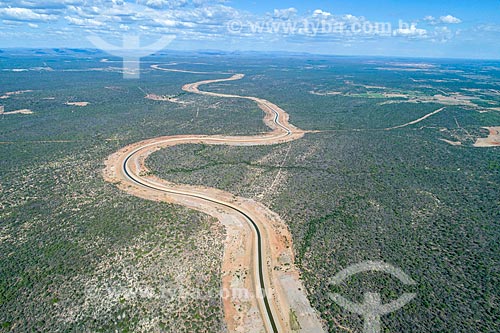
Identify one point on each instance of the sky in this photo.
(425, 28)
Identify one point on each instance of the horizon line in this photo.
(229, 52)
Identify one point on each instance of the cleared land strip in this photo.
(23, 111)
(157, 67)
(416, 121)
(260, 282)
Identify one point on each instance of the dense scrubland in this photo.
(356, 192)
(77, 254)
(350, 198)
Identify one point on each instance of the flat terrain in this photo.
(264, 253)
(493, 139)
(78, 254)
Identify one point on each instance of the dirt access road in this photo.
(261, 286)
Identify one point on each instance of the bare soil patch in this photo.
(22, 111)
(77, 103)
(493, 140)
(13, 93)
(453, 143)
(163, 98)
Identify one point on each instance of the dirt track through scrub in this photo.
(416, 121)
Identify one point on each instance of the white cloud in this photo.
(163, 3)
(8, 22)
(321, 13)
(449, 19)
(166, 22)
(442, 34)
(41, 4)
(193, 20)
(495, 28)
(352, 19)
(24, 14)
(411, 31)
(285, 13)
(84, 22)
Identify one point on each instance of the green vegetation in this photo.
(403, 197)
(77, 254)
(294, 322)
(433, 217)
